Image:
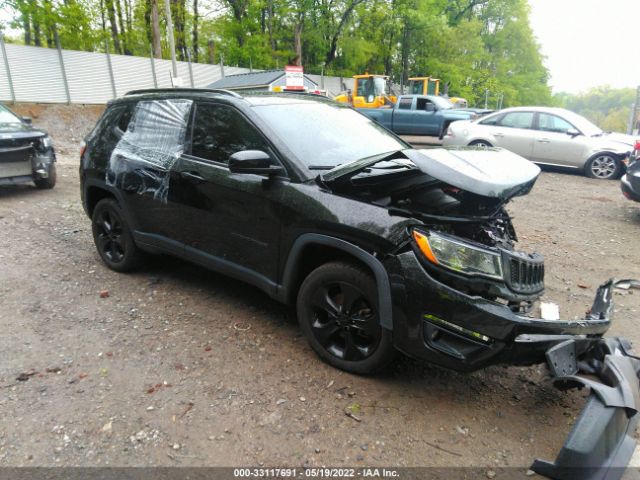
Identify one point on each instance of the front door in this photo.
(229, 220)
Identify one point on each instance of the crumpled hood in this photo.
(492, 172)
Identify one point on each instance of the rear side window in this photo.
(517, 120)
(220, 131)
(405, 103)
(125, 117)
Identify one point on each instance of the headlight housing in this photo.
(46, 142)
(459, 256)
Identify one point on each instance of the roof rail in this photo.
(208, 90)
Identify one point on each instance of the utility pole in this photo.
(172, 46)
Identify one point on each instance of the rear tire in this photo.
(603, 166)
(50, 181)
(338, 313)
(112, 237)
(480, 144)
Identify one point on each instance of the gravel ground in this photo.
(175, 365)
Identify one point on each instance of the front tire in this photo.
(603, 166)
(112, 237)
(338, 313)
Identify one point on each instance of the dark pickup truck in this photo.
(418, 115)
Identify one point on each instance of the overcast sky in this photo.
(589, 42)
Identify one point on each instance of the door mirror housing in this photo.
(573, 132)
(430, 107)
(253, 161)
(27, 120)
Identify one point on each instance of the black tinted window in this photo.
(125, 117)
(220, 131)
(425, 104)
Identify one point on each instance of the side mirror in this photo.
(27, 120)
(430, 107)
(253, 161)
(573, 132)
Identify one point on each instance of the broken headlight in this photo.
(459, 256)
(46, 142)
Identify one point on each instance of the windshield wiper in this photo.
(322, 167)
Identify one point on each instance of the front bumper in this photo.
(444, 326)
(437, 323)
(627, 184)
(25, 165)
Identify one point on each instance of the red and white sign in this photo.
(294, 77)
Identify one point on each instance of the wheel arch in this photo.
(620, 156)
(310, 250)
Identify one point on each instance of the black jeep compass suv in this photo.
(380, 247)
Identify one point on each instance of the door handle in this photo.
(544, 140)
(193, 176)
(498, 134)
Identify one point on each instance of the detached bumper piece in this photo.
(602, 441)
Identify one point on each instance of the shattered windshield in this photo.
(324, 135)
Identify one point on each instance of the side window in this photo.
(220, 131)
(425, 104)
(551, 123)
(517, 120)
(493, 120)
(405, 103)
(125, 118)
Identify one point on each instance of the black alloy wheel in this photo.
(112, 237)
(338, 312)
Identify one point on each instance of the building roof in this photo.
(249, 80)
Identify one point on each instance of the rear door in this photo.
(554, 146)
(230, 221)
(514, 131)
(142, 166)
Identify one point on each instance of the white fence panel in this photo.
(131, 73)
(36, 74)
(88, 77)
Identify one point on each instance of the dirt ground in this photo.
(179, 366)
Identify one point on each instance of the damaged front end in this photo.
(467, 297)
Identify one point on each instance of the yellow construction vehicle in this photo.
(431, 86)
(369, 91)
(424, 86)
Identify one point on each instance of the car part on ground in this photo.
(26, 154)
(602, 439)
(387, 248)
(548, 136)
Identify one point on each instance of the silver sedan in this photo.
(548, 136)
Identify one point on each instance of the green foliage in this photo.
(477, 47)
(607, 107)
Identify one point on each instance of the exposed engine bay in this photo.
(460, 192)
